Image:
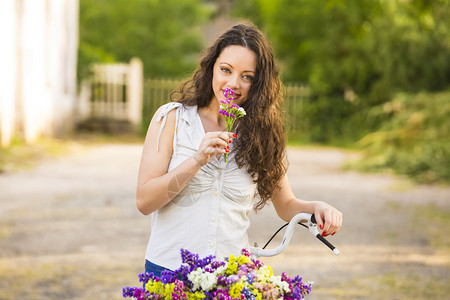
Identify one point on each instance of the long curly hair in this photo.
(261, 142)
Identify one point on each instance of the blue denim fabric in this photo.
(153, 268)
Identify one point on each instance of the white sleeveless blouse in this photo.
(210, 215)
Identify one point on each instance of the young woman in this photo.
(199, 202)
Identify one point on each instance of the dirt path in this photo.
(69, 229)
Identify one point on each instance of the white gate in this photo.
(114, 92)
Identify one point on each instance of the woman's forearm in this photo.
(158, 191)
(293, 207)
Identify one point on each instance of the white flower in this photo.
(205, 280)
(242, 110)
(209, 281)
(283, 285)
(195, 278)
(220, 270)
(263, 274)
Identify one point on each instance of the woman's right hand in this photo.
(156, 186)
(213, 143)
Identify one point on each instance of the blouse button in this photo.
(211, 244)
(213, 219)
(216, 193)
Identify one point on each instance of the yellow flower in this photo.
(236, 290)
(231, 259)
(264, 273)
(257, 294)
(198, 295)
(243, 260)
(168, 290)
(270, 270)
(159, 288)
(232, 265)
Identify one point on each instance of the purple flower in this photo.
(216, 264)
(258, 264)
(231, 112)
(232, 279)
(168, 276)
(222, 280)
(245, 252)
(246, 292)
(221, 294)
(228, 93)
(250, 278)
(145, 277)
(138, 293)
(128, 291)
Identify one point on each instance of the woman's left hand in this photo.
(328, 218)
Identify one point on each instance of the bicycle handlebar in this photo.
(299, 218)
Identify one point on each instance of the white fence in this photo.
(157, 92)
(295, 96)
(114, 92)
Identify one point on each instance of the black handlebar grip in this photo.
(323, 240)
(313, 219)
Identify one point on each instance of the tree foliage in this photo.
(356, 54)
(364, 45)
(165, 34)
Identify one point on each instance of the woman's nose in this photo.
(233, 82)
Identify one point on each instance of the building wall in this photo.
(39, 40)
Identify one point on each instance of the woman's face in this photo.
(235, 69)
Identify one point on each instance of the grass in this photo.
(414, 280)
(64, 277)
(21, 156)
(429, 222)
(435, 223)
(389, 285)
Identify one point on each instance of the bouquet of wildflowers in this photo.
(230, 111)
(234, 278)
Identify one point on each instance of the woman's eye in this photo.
(226, 70)
(248, 77)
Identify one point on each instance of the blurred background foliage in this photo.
(378, 71)
(413, 138)
(165, 34)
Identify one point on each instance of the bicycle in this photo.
(298, 219)
(205, 278)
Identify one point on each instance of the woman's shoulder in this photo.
(171, 106)
(173, 112)
(163, 122)
(165, 109)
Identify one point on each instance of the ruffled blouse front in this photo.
(210, 215)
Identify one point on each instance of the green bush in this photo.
(331, 120)
(413, 138)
